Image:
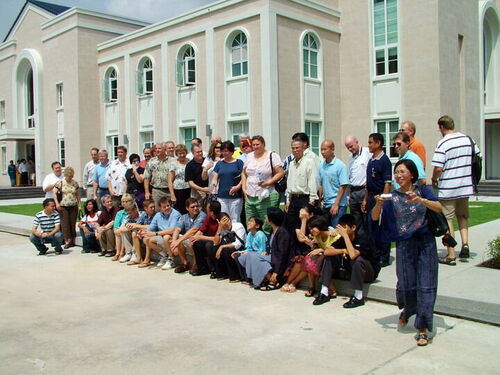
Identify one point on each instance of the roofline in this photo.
(26, 5)
(93, 13)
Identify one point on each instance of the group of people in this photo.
(22, 173)
(218, 213)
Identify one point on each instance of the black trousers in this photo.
(292, 222)
(381, 248)
(202, 249)
(355, 200)
(361, 271)
(233, 267)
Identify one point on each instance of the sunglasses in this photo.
(397, 144)
(197, 206)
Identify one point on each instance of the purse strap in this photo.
(271, 161)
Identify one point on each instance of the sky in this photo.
(143, 10)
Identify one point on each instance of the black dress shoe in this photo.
(354, 302)
(199, 273)
(464, 252)
(321, 299)
(213, 275)
(102, 253)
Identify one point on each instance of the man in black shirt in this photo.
(193, 176)
(363, 265)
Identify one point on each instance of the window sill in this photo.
(239, 78)
(186, 88)
(387, 77)
(312, 80)
(59, 109)
(145, 95)
(111, 104)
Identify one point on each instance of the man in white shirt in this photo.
(116, 175)
(452, 175)
(52, 178)
(357, 179)
(88, 172)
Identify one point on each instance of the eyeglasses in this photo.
(197, 206)
(136, 161)
(397, 144)
(217, 147)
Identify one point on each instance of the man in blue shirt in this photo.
(378, 181)
(187, 226)
(159, 235)
(402, 146)
(333, 179)
(100, 184)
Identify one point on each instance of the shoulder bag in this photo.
(280, 185)
(476, 165)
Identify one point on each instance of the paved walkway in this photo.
(81, 314)
(465, 290)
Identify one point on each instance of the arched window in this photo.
(239, 55)
(491, 31)
(144, 79)
(186, 67)
(110, 86)
(30, 100)
(310, 48)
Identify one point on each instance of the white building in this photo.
(72, 79)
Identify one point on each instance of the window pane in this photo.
(306, 56)
(245, 67)
(380, 69)
(314, 71)
(244, 53)
(314, 58)
(315, 129)
(236, 71)
(381, 127)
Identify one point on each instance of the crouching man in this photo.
(363, 266)
(47, 228)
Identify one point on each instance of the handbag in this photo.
(59, 193)
(280, 185)
(476, 166)
(437, 223)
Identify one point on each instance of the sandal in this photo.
(285, 288)
(448, 261)
(270, 286)
(310, 292)
(422, 339)
(144, 264)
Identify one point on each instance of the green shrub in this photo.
(494, 251)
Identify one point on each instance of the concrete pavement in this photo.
(80, 314)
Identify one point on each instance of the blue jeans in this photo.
(56, 241)
(334, 220)
(89, 241)
(417, 271)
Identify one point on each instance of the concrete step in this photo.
(21, 192)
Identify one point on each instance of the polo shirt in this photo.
(107, 216)
(454, 154)
(46, 223)
(410, 155)
(378, 173)
(144, 219)
(100, 175)
(418, 148)
(209, 226)
(186, 222)
(162, 221)
(357, 167)
(302, 178)
(88, 173)
(51, 179)
(193, 173)
(331, 176)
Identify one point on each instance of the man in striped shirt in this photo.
(46, 228)
(452, 175)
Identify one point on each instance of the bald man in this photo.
(415, 145)
(357, 178)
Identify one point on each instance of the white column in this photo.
(164, 93)
(269, 62)
(132, 140)
(210, 65)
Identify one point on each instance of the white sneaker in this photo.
(125, 258)
(162, 262)
(133, 258)
(169, 265)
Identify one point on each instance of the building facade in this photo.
(72, 79)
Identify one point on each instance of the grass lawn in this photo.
(480, 212)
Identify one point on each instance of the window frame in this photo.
(112, 145)
(186, 57)
(234, 135)
(110, 85)
(242, 47)
(384, 50)
(145, 77)
(388, 135)
(61, 151)
(147, 142)
(316, 150)
(2, 114)
(308, 50)
(187, 141)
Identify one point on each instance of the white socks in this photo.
(324, 290)
(358, 294)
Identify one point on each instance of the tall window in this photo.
(385, 34)
(30, 100)
(59, 92)
(2, 114)
(310, 52)
(110, 86)
(236, 128)
(239, 55)
(147, 139)
(144, 79)
(388, 128)
(187, 135)
(112, 145)
(186, 67)
(313, 130)
(61, 148)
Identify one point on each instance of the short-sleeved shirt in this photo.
(229, 176)
(193, 173)
(357, 167)
(364, 248)
(209, 226)
(454, 154)
(46, 223)
(116, 175)
(186, 222)
(69, 191)
(331, 176)
(162, 221)
(418, 148)
(240, 232)
(157, 172)
(88, 173)
(179, 175)
(410, 155)
(120, 219)
(91, 221)
(144, 218)
(100, 175)
(134, 186)
(260, 170)
(51, 179)
(378, 173)
(107, 216)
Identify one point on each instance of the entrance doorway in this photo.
(492, 152)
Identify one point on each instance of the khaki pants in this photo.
(107, 240)
(157, 194)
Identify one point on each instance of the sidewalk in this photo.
(465, 290)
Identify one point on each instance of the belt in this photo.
(298, 196)
(357, 188)
(159, 188)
